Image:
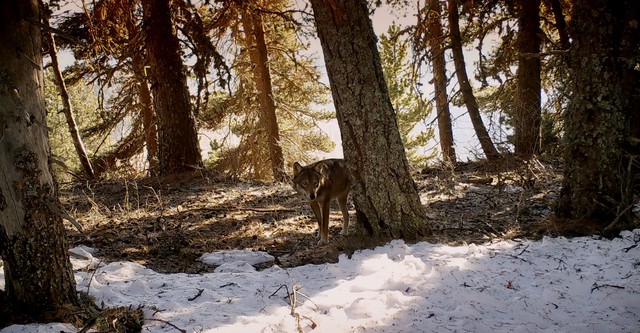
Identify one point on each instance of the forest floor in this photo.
(167, 224)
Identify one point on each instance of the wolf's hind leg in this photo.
(342, 202)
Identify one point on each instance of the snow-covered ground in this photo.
(554, 285)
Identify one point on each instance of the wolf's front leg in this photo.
(324, 222)
(315, 206)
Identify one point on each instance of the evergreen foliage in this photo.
(412, 111)
(85, 105)
(239, 147)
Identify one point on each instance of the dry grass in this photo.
(167, 226)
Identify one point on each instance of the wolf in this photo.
(319, 183)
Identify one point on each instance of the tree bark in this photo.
(78, 144)
(39, 282)
(561, 24)
(465, 87)
(178, 148)
(254, 35)
(149, 123)
(528, 109)
(601, 123)
(436, 42)
(385, 195)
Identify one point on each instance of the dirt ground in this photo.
(167, 224)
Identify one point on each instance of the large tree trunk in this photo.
(528, 110)
(178, 148)
(78, 144)
(436, 43)
(383, 191)
(39, 282)
(254, 35)
(601, 123)
(465, 87)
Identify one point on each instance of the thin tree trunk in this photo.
(149, 124)
(465, 87)
(561, 24)
(81, 151)
(178, 148)
(39, 282)
(436, 41)
(254, 34)
(148, 116)
(385, 195)
(528, 110)
(127, 147)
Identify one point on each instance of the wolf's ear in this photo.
(323, 169)
(297, 168)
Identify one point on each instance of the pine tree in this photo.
(411, 109)
(297, 94)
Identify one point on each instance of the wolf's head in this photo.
(307, 180)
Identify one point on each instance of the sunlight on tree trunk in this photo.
(385, 195)
(465, 87)
(149, 124)
(39, 282)
(528, 109)
(258, 53)
(436, 43)
(178, 148)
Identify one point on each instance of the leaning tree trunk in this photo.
(561, 25)
(384, 193)
(465, 87)
(528, 110)
(178, 148)
(254, 34)
(436, 42)
(602, 120)
(39, 283)
(78, 144)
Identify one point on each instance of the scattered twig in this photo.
(624, 211)
(524, 250)
(626, 249)
(293, 301)
(253, 209)
(92, 275)
(561, 264)
(190, 299)
(595, 286)
(168, 323)
(297, 291)
(281, 286)
(60, 211)
(89, 324)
